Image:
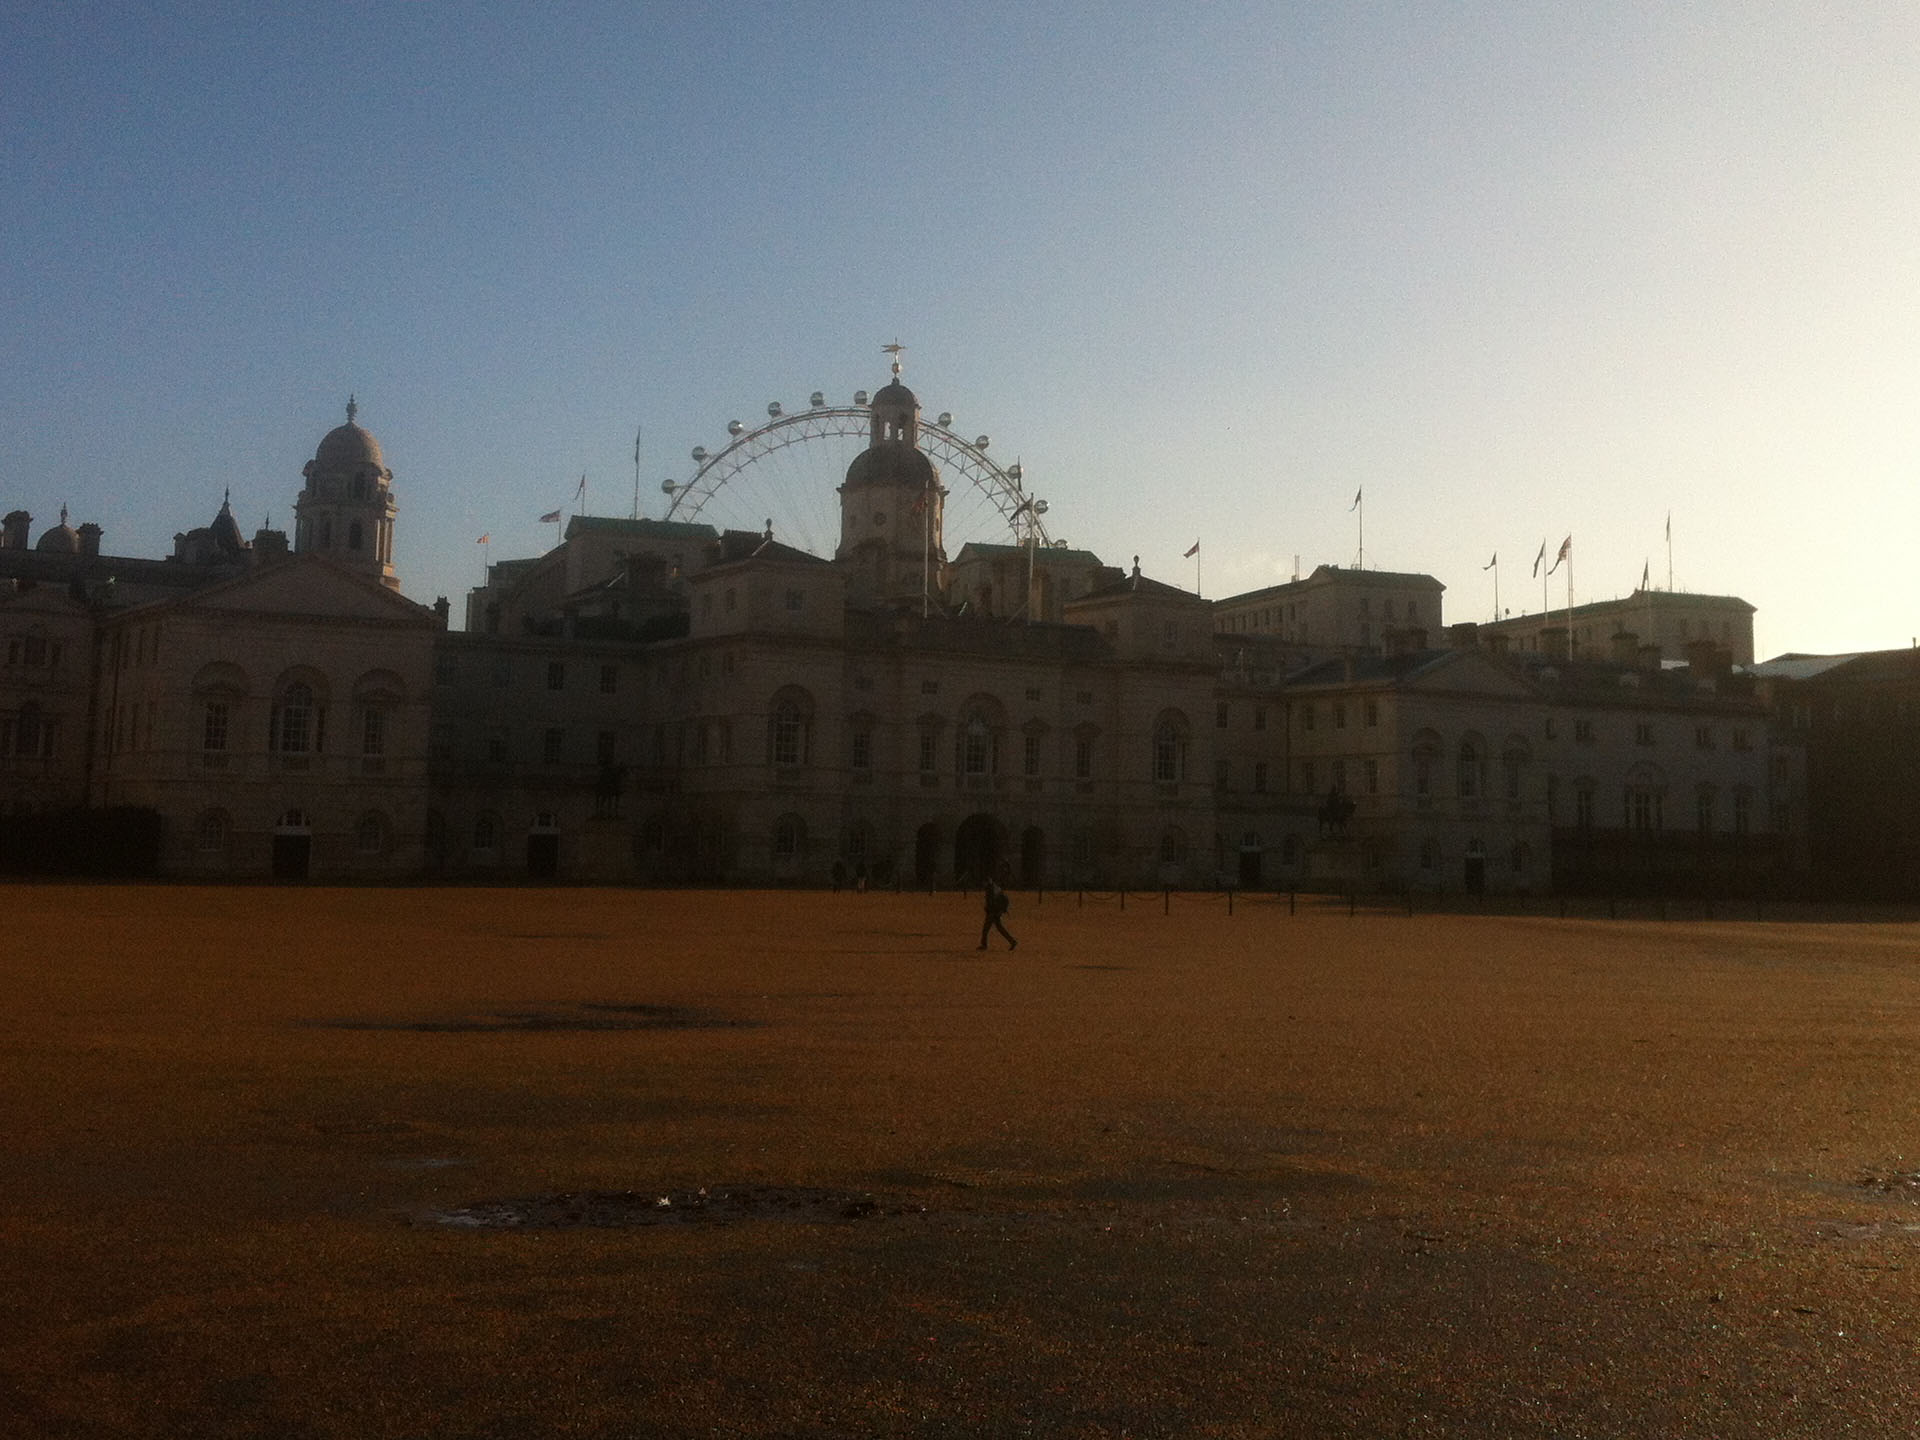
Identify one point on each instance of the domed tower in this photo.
(892, 506)
(345, 511)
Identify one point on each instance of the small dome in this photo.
(61, 539)
(346, 446)
(226, 530)
(894, 463)
(893, 395)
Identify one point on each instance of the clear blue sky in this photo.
(1518, 270)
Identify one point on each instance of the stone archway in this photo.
(926, 853)
(1033, 856)
(979, 848)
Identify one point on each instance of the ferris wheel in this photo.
(785, 472)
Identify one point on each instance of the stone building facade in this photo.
(652, 701)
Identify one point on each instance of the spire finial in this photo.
(352, 409)
(896, 350)
(63, 514)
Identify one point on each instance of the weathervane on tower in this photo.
(896, 350)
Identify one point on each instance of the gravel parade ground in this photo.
(610, 1163)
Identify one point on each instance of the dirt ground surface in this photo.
(528, 1163)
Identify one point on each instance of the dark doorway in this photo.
(1249, 869)
(926, 853)
(1033, 857)
(979, 846)
(1475, 876)
(292, 855)
(543, 856)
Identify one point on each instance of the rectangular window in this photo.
(1583, 731)
(1643, 733)
(373, 733)
(1742, 812)
(1222, 772)
(1306, 716)
(550, 746)
(1259, 717)
(556, 675)
(1740, 739)
(929, 687)
(1373, 777)
(1083, 758)
(1031, 759)
(1703, 737)
(860, 752)
(1083, 697)
(1583, 807)
(1339, 714)
(1259, 777)
(609, 679)
(929, 758)
(1033, 693)
(1340, 776)
(1306, 777)
(1373, 713)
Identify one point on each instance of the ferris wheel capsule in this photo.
(699, 454)
(773, 409)
(980, 442)
(817, 399)
(1014, 472)
(859, 397)
(734, 427)
(946, 418)
(667, 487)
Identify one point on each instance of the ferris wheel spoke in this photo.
(788, 470)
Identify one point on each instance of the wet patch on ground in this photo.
(634, 1209)
(582, 1018)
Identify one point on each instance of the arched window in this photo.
(789, 728)
(294, 734)
(210, 832)
(1170, 748)
(976, 747)
(1472, 768)
(1426, 754)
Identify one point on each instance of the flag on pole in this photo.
(1566, 549)
(1646, 571)
(1493, 562)
(1193, 551)
(1356, 498)
(580, 493)
(1669, 525)
(485, 539)
(1538, 559)
(552, 517)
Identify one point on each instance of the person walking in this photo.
(996, 907)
